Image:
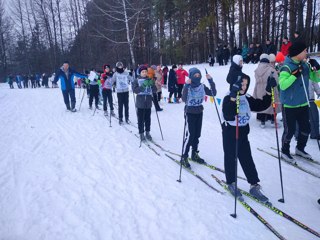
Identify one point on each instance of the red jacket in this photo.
(181, 76)
(285, 48)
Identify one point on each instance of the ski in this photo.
(280, 212)
(303, 158)
(290, 163)
(194, 174)
(251, 210)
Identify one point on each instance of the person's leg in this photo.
(109, 97)
(65, 95)
(314, 120)
(229, 144)
(126, 105)
(289, 127)
(104, 96)
(73, 98)
(140, 113)
(120, 105)
(304, 127)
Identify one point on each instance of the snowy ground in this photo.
(70, 176)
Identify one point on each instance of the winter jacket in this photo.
(144, 94)
(66, 78)
(107, 81)
(313, 88)
(194, 96)
(234, 72)
(285, 48)
(262, 74)
(172, 81)
(269, 48)
(292, 92)
(158, 82)
(181, 76)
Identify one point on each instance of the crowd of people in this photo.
(285, 82)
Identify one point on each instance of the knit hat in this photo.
(154, 67)
(280, 57)
(297, 48)
(272, 58)
(236, 59)
(195, 81)
(264, 56)
(142, 67)
(174, 66)
(119, 65)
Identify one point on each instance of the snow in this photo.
(70, 176)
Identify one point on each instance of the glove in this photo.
(314, 64)
(147, 83)
(236, 87)
(212, 84)
(297, 71)
(271, 84)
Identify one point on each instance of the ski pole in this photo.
(234, 215)
(81, 100)
(277, 139)
(184, 139)
(80, 92)
(159, 125)
(305, 91)
(215, 104)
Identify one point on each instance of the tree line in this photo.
(37, 35)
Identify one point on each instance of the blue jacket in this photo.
(67, 82)
(295, 94)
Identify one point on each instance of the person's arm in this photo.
(185, 92)
(258, 105)
(287, 78)
(229, 108)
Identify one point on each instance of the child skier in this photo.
(229, 128)
(144, 87)
(193, 95)
(94, 88)
(106, 82)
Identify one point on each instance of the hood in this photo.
(262, 69)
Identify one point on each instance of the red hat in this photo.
(280, 57)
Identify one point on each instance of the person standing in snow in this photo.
(294, 81)
(65, 74)
(121, 79)
(235, 69)
(106, 82)
(262, 74)
(181, 80)
(225, 54)
(286, 44)
(193, 95)
(94, 88)
(144, 87)
(238, 89)
(172, 84)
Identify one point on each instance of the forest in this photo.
(38, 35)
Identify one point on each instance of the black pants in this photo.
(314, 120)
(180, 87)
(123, 101)
(159, 94)
(290, 117)
(155, 101)
(94, 93)
(165, 77)
(174, 94)
(107, 97)
(25, 84)
(194, 128)
(244, 154)
(66, 94)
(144, 119)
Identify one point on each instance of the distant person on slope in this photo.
(65, 74)
(238, 89)
(181, 80)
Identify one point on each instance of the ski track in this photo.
(70, 176)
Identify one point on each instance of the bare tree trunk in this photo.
(130, 41)
(60, 25)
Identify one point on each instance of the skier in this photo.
(19, 79)
(65, 74)
(10, 81)
(144, 87)
(172, 83)
(106, 82)
(229, 129)
(294, 81)
(121, 79)
(193, 95)
(94, 88)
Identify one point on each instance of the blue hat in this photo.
(195, 81)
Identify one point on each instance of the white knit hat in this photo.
(236, 59)
(272, 57)
(264, 56)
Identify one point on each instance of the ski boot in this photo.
(255, 190)
(112, 113)
(184, 161)
(196, 158)
(148, 136)
(142, 137)
(232, 189)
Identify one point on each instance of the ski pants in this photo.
(194, 129)
(66, 93)
(144, 119)
(180, 87)
(290, 117)
(244, 154)
(123, 101)
(107, 97)
(94, 93)
(314, 120)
